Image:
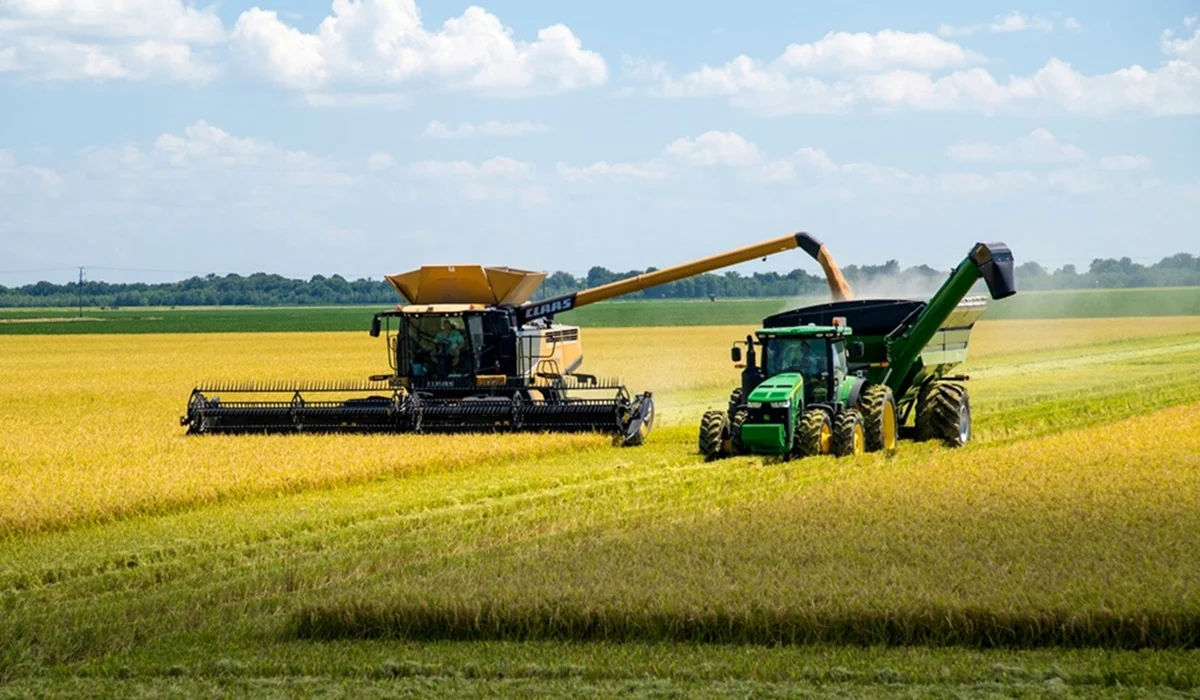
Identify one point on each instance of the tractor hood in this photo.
(781, 387)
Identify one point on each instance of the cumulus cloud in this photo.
(384, 42)
(1012, 22)
(1172, 89)
(380, 161)
(715, 148)
(108, 40)
(1187, 49)
(465, 130)
(1040, 146)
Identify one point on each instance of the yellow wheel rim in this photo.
(859, 442)
(889, 426)
(826, 438)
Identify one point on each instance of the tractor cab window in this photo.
(840, 369)
(437, 347)
(808, 357)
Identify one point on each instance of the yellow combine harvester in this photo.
(471, 352)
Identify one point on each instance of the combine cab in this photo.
(469, 352)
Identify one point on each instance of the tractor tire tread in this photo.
(871, 405)
(807, 441)
(843, 432)
(713, 430)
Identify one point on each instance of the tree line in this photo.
(261, 289)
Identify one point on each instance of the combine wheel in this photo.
(878, 409)
(944, 413)
(849, 438)
(714, 430)
(737, 399)
(814, 434)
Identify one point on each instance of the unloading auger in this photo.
(471, 353)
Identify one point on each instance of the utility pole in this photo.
(80, 291)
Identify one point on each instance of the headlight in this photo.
(780, 404)
(754, 404)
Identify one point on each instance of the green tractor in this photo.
(844, 378)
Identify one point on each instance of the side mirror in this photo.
(857, 349)
(375, 327)
(735, 354)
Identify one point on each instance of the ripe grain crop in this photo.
(91, 431)
(1084, 538)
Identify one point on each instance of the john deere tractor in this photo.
(843, 378)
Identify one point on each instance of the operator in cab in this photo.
(448, 344)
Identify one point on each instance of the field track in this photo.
(1049, 552)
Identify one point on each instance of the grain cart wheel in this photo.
(944, 413)
(878, 409)
(737, 399)
(735, 431)
(849, 438)
(714, 431)
(814, 434)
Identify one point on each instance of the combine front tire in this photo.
(714, 431)
(814, 434)
(878, 408)
(849, 438)
(944, 413)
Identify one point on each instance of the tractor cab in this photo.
(817, 353)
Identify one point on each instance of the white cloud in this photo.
(715, 148)
(1012, 22)
(1187, 49)
(107, 39)
(1072, 24)
(383, 42)
(500, 167)
(1172, 89)
(380, 161)
(649, 170)
(16, 176)
(438, 130)
(843, 52)
(1040, 146)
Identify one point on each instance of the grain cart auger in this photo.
(469, 353)
(844, 377)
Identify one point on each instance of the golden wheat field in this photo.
(1059, 545)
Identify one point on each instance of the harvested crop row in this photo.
(1085, 538)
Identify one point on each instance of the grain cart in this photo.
(842, 378)
(471, 352)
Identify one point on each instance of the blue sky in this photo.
(146, 139)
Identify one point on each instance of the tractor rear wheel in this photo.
(714, 429)
(737, 399)
(814, 434)
(849, 438)
(944, 413)
(878, 408)
(735, 431)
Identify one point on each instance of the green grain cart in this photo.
(845, 377)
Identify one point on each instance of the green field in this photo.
(1055, 556)
(1111, 303)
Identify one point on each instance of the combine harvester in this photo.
(472, 353)
(842, 378)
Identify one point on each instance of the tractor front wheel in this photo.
(878, 408)
(849, 437)
(814, 434)
(944, 413)
(714, 430)
(737, 399)
(735, 431)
